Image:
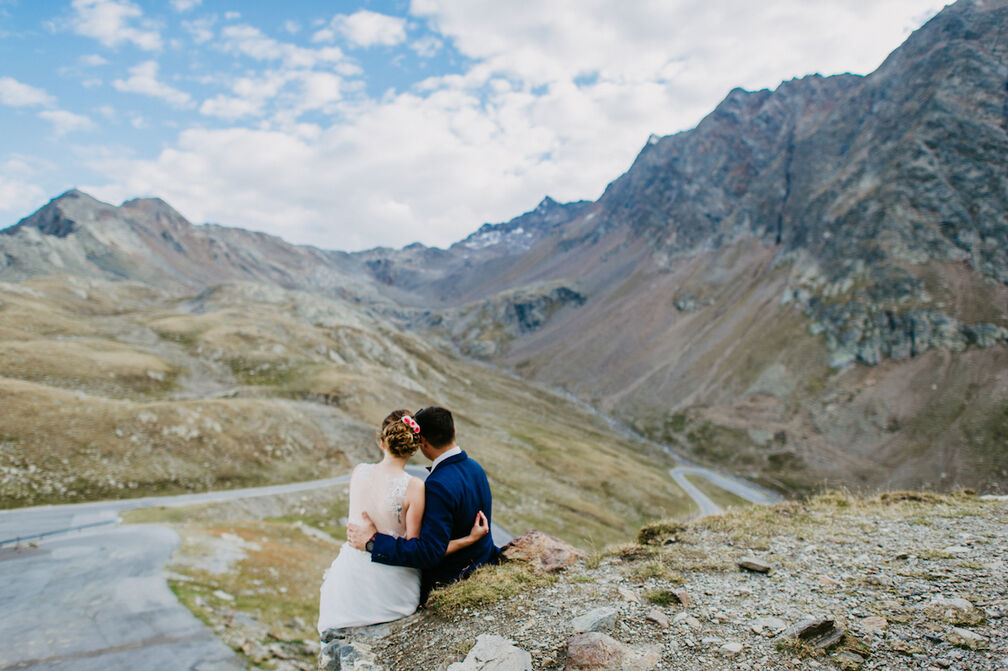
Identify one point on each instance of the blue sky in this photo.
(348, 125)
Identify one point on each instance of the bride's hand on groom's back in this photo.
(480, 527)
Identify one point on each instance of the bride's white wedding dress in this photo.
(356, 591)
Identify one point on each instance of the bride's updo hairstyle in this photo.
(398, 436)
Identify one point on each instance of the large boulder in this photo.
(543, 551)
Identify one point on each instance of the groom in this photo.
(456, 490)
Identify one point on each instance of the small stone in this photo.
(628, 595)
(827, 581)
(731, 648)
(711, 641)
(819, 632)
(956, 549)
(850, 657)
(682, 597)
(658, 617)
(768, 626)
(494, 653)
(943, 663)
(874, 623)
(221, 594)
(965, 635)
(754, 565)
(644, 658)
(594, 651)
(954, 602)
(600, 619)
(689, 621)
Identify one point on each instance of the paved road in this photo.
(736, 486)
(99, 602)
(92, 595)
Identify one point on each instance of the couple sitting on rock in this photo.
(406, 536)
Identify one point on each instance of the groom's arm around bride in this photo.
(456, 491)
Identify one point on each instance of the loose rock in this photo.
(819, 632)
(754, 565)
(594, 651)
(874, 623)
(731, 648)
(658, 617)
(600, 619)
(494, 653)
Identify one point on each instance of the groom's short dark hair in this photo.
(436, 426)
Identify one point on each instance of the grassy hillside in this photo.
(116, 389)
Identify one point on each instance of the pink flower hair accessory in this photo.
(411, 423)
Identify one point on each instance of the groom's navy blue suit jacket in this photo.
(455, 491)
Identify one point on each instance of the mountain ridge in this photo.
(744, 292)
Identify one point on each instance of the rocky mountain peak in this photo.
(155, 210)
(63, 215)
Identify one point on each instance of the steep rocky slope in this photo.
(808, 285)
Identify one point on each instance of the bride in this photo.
(356, 591)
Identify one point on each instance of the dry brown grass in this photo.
(307, 381)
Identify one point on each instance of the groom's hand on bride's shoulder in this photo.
(359, 534)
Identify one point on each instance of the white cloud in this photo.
(426, 47)
(64, 122)
(16, 94)
(19, 192)
(143, 79)
(250, 41)
(285, 93)
(93, 60)
(114, 22)
(366, 29)
(185, 5)
(201, 30)
(558, 100)
(292, 27)
(250, 95)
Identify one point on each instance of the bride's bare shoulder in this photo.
(359, 470)
(415, 486)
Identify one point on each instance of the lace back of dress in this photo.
(381, 497)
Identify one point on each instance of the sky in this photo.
(350, 125)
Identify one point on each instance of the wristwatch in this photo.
(370, 544)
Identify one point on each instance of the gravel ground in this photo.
(913, 581)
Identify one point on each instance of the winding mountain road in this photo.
(735, 486)
(92, 593)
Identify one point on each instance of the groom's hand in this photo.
(359, 534)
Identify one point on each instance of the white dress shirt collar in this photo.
(450, 453)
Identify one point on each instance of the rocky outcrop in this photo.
(484, 328)
(543, 551)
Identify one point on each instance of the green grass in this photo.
(489, 584)
(661, 597)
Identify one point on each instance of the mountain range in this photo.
(809, 286)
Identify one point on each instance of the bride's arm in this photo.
(414, 507)
(479, 530)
